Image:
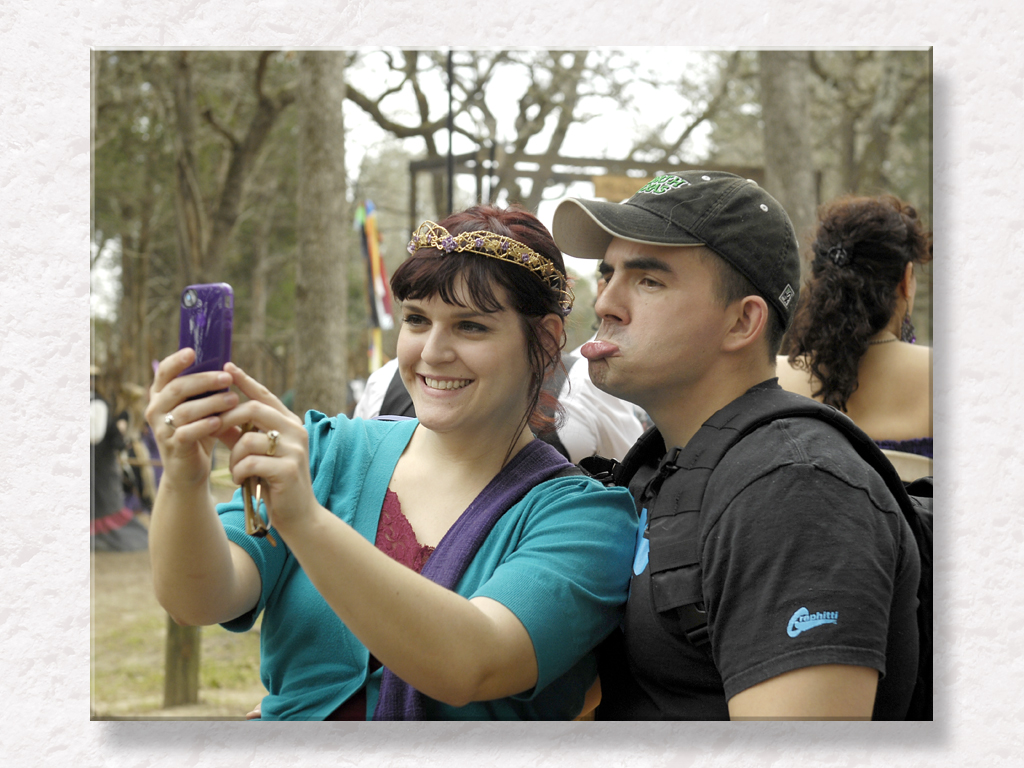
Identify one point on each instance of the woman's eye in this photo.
(473, 327)
(414, 320)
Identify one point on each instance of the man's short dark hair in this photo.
(731, 286)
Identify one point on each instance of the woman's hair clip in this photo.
(839, 255)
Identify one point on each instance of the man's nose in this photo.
(610, 305)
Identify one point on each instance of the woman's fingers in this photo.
(168, 376)
(188, 412)
(229, 435)
(252, 389)
(258, 444)
(170, 388)
(196, 385)
(263, 410)
(171, 366)
(192, 431)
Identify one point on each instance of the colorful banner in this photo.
(378, 288)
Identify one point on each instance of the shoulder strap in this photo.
(534, 464)
(397, 401)
(674, 520)
(647, 450)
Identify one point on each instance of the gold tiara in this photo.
(431, 235)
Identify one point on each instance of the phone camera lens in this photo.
(189, 298)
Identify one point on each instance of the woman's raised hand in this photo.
(280, 460)
(186, 430)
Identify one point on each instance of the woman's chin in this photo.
(439, 417)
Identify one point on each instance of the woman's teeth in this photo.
(451, 384)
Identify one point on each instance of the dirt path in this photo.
(128, 633)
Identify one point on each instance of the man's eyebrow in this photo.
(647, 264)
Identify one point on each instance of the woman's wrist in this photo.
(173, 484)
(296, 528)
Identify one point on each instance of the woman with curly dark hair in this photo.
(851, 344)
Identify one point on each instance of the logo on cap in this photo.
(787, 295)
(662, 184)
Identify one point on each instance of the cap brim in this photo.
(578, 233)
(584, 228)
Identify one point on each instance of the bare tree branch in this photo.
(211, 120)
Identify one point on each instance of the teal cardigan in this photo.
(560, 560)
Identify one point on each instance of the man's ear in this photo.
(749, 317)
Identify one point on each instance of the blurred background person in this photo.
(852, 341)
(138, 463)
(113, 527)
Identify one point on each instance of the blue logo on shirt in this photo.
(803, 620)
(643, 546)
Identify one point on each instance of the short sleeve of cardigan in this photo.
(269, 559)
(567, 578)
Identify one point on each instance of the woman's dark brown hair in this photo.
(860, 255)
(429, 272)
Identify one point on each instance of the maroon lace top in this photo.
(397, 539)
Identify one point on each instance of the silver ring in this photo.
(169, 421)
(272, 437)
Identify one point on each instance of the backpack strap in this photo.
(648, 449)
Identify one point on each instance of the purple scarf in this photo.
(535, 463)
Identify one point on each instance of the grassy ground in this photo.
(129, 629)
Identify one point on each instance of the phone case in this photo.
(207, 312)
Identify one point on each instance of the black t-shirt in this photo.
(806, 559)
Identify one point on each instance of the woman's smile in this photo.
(444, 384)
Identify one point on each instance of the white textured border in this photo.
(44, 288)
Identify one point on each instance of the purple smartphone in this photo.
(206, 317)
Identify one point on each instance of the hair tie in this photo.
(839, 255)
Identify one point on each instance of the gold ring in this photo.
(169, 421)
(272, 436)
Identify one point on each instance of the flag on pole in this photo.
(378, 288)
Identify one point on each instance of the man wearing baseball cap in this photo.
(807, 570)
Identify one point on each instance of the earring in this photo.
(907, 329)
